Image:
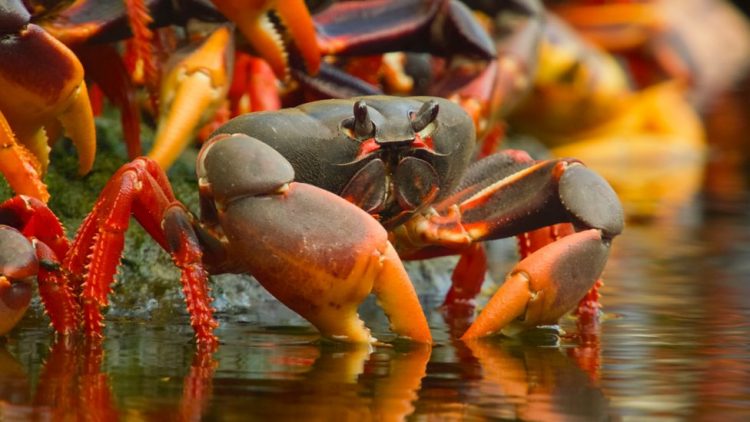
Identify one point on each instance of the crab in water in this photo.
(318, 202)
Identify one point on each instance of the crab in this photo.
(321, 202)
(43, 91)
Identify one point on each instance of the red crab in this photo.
(317, 202)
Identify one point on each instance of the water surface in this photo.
(673, 344)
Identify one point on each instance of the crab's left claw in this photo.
(252, 19)
(545, 285)
(192, 91)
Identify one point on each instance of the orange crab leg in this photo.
(19, 165)
(251, 17)
(191, 93)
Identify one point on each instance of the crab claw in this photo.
(372, 27)
(544, 286)
(18, 266)
(192, 91)
(314, 251)
(42, 81)
(252, 19)
(19, 166)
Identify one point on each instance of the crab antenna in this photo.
(425, 115)
(363, 126)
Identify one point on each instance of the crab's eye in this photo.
(423, 121)
(360, 126)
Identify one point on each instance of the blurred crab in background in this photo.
(43, 94)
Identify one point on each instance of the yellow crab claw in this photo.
(191, 93)
(41, 81)
(252, 19)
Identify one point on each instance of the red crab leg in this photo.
(254, 86)
(468, 276)
(139, 20)
(140, 188)
(105, 67)
(38, 223)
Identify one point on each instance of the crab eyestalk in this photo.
(363, 126)
(426, 115)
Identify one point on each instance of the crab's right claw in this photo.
(252, 19)
(545, 285)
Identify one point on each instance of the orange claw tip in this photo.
(397, 297)
(251, 17)
(78, 121)
(507, 304)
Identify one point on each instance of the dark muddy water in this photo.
(674, 344)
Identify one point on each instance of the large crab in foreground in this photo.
(318, 202)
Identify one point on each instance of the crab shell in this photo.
(389, 169)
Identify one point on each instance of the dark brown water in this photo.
(674, 344)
